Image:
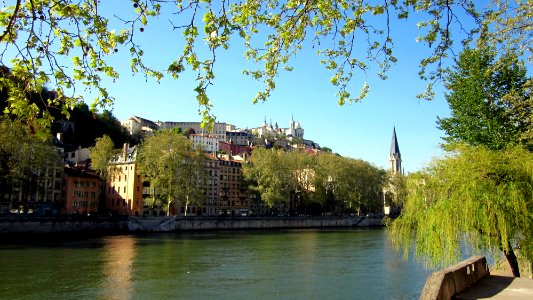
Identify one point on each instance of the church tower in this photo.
(395, 158)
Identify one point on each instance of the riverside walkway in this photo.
(470, 279)
(499, 287)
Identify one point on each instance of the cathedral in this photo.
(295, 130)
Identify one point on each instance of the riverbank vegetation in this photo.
(479, 196)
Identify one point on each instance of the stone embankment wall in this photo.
(190, 224)
(451, 281)
(31, 225)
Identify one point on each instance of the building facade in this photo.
(212, 190)
(124, 187)
(209, 143)
(238, 137)
(77, 155)
(294, 131)
(219, 129)
(234, 197)
(37, 191)
(137, 124)
(81, 191)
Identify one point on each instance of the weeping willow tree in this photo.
(474, 200)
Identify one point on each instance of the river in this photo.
(286, 264)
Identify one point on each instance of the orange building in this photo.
(81, 191)
(124, 186)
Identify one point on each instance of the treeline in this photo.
(324, 182)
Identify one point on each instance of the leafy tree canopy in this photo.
(490, 100)
(70, 44)
(174, 168)
(22, 152)
(101, 155)
(276, 175)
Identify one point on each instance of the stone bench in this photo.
(445, 284)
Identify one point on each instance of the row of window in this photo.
(84, 183)
(33, 197)
(234, 203)
(84, 194)
(230, 177)
(85, 204)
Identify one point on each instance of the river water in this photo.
(287, 264)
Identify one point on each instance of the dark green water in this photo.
(292, 264)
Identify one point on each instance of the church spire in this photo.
(395, 156)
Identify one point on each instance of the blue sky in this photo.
(360, 130)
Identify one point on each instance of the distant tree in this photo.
(267, 168)
(326, 149)
(89, 125)
(326, 180)
(176, 130)
(22, 153)
(490, 104)
(351, 182)
(475, 198)
(101, 155)
(174, 168)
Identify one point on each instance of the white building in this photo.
(219, 129)
(78, 155)
(294, 130)
(208, 142)
(137, 124)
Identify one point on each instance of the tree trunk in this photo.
(186, 204)
(513, 261)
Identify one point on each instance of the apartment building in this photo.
(124, 188)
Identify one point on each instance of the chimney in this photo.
(125, 151)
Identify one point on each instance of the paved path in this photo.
(499, 287)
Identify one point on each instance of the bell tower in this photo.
(395, 157)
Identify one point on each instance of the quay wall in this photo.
(191, 224)
(43, 225)
(36, 225)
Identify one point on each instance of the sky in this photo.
(359, 130)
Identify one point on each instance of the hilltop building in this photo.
(239, 137)
(294, 130)
(219, 129)
(139, 125)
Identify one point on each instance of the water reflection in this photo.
(297, 264)
(117, 279)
